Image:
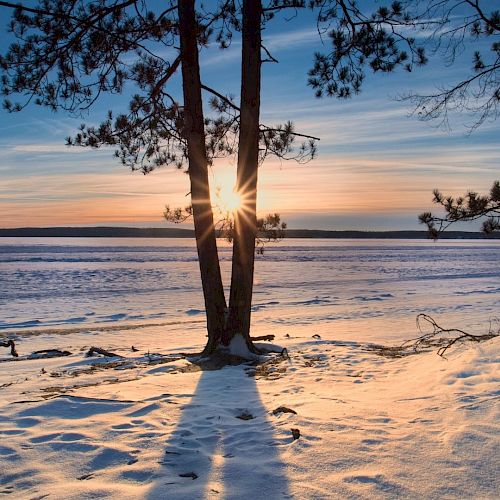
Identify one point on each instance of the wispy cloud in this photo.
(54, 148)
(373, 160)
(275, 42)
(291, 40)
(81, 198)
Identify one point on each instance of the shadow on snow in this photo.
(214, 454)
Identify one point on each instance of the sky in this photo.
(375, 170)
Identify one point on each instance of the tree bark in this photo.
(213, 291)
(240, 301)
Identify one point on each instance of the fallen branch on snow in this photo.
(97, 350)
(10, 343)
(43, 354)
(262, 337)
(439, 337)
(444, 338)
(48, 353)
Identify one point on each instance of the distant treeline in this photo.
(98, 232)
(156, 232)
(399, 235)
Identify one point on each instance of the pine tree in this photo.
(469, 207)
(68, 53)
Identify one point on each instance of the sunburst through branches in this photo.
(228, 202)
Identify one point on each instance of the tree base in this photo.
(236, 345)
(222, 356)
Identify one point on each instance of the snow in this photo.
(238, 347)
(153, 425)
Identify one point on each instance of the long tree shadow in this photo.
(224, 445)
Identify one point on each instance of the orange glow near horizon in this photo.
(336, 187)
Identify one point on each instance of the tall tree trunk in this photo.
(240, 301)
(213, 291)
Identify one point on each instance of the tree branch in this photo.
(171, 70)
(443, 337)
(271, 58)
(270, 129)
(220, 96)
(101, 13)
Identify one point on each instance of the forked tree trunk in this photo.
(213, 291)
(240, 300)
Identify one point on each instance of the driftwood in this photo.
(97, 350)
(262, 337)
(48, 353)
(43, 354)
(10, 343)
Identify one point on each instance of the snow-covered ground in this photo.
(370, 426)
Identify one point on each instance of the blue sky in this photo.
(376, 166)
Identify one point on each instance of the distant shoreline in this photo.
(133, 232)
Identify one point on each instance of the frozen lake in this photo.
(367, 288)
(148, 423)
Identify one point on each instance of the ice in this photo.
(123, 281)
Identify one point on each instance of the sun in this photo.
(228, 198)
